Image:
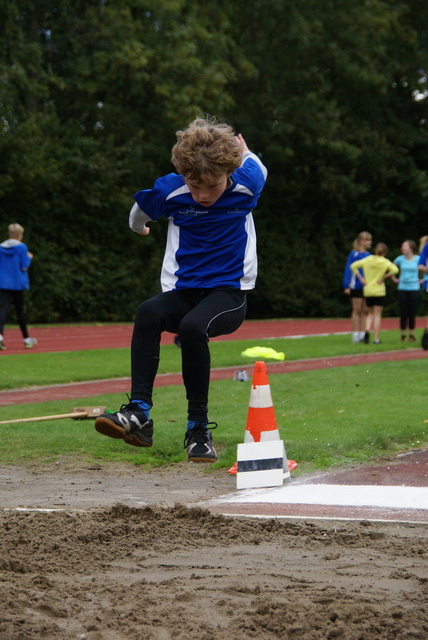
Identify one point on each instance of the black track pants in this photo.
(195, 315)
(18, 300)
(408, 303)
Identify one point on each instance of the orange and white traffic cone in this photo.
(261, 420)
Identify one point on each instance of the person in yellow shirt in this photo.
(376, 269)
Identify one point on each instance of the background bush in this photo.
(331, 94)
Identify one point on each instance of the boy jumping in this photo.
(210, 263)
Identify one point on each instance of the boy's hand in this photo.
(240, 140)
(144, 232)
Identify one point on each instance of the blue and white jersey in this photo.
(350, 280)
(206, 247)
(423, 260)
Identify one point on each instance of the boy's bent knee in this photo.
(148, 313)
(191, 331)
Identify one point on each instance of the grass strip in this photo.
(38, 369)
(327, 418)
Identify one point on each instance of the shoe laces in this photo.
(134, 409)
(198, 434)
(130, 407)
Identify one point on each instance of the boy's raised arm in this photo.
(244, 148)
(137, 221)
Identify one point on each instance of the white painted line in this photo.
(38, 509)
(238, 514)
(391, 497)
(308, 335)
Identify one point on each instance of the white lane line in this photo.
(392, 497)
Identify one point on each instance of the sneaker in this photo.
(30, 342)
(366, 338)
(2, 345)
(199, 443)
(129, 423)
(424, 342)
(403, 338)
(377, 342)
(412, 338)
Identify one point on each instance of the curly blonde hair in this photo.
(206, 150)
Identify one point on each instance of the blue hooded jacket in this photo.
(14, 263)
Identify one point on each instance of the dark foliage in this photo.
(331, 94)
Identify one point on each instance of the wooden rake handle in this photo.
(74, 414)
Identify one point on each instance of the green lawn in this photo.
(35, 369)
(326, 417)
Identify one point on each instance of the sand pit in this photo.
(164, 571)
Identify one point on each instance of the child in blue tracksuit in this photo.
(423, 268)
(209, 264)
(15, 260)
(353, 287)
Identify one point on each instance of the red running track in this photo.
(67, 338)
(108, 336)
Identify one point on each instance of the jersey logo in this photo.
(193, 212)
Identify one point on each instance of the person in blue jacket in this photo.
(423, 268)
(210, 263)
(15, 260)
(353, 287)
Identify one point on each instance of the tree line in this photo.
(332, 95)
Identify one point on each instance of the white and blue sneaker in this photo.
(199, 443)
(129, 424)
(29, 343)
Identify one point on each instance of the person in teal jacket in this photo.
(409, 284)
(15, 260)
(376, 269)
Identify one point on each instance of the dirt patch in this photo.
(98, 567)
(73, 485)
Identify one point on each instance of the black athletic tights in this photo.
(195, 315)
(408, 303)
(18, 300)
